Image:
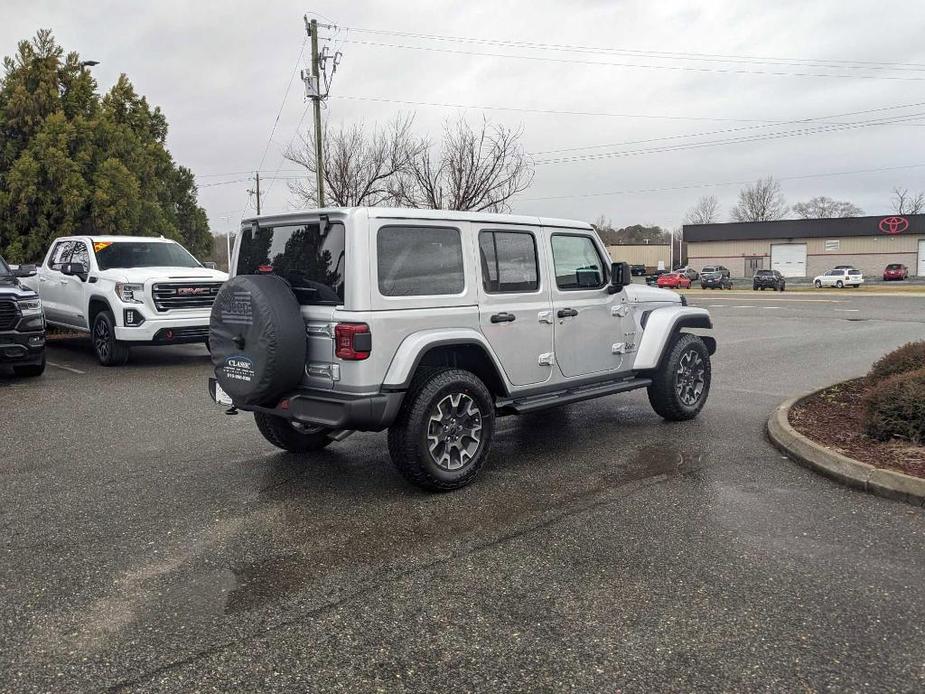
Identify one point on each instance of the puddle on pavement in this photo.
(652, 461)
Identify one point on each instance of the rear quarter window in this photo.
(419, 261)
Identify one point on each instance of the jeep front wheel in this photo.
(290, 435)
(442, 435)
(681, 385)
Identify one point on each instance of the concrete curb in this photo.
(886, 483)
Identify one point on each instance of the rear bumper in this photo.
(21, 348)
(333, 410)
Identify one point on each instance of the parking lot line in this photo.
(66, 368)
(847, 310)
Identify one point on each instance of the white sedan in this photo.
(840, 278)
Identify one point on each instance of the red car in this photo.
(674, 280)
(895, 271)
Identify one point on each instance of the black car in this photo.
(653, 278)
(22, 323)
(715, 277)
(768, 279)
(638, 270)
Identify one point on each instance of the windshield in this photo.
(131, 254)
(311, 262)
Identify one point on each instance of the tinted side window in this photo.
(508, 260)
(60, 254)
(419, 261)
(577, 263)
(80, 255)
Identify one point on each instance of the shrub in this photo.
(909, 357)
(896, 407)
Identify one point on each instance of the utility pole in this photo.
(256, 191)
(315, 92)
(319, 159)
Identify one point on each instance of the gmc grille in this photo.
(9, 314)
(178, 295)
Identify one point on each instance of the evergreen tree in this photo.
(75, 162)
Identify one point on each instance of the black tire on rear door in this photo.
(109, 350)
(257, 336)
(681, 384)
(442, 435)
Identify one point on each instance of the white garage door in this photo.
(922, 258)
(789, 259)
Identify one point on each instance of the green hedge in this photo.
(909, 357)
(895, 407)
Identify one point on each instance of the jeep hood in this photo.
(640, 293)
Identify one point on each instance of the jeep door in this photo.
(515, 314)
(591, 324)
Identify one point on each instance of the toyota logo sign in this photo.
(894, 225)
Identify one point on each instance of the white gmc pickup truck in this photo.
(126, 290)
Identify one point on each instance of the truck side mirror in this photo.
(619, 277)
(25, 271)
(75, 270)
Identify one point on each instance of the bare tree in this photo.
(360, 164)
(761, 202)
(706, 211)
(905, 202)
(822, 207)
(474, 169)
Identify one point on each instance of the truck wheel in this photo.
(818, 284)
(109, 350)
(442, 435)
(30, 370)
(681, 385)
(290, 435)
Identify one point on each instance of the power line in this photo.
(738, 140)
(695, 186)
(674, 68)
(819, 119)
(298, 62)
(713, 57)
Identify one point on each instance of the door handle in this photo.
(503, 318)
(42, 279)
(567, 312)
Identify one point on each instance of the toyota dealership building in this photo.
(809, 247)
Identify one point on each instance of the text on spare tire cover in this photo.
(237, 309)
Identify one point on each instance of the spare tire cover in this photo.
(257, 337)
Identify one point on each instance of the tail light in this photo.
(352, 341)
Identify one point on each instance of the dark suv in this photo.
(768, 279)
(715, 276)
(22, 323)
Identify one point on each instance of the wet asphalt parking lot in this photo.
(151, 543)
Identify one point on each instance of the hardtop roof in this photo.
(424, 215)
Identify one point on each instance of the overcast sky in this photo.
(220, 70)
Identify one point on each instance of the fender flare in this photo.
(662, 324)
(413, 348)
(104, 300)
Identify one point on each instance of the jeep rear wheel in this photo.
(681, 385)
(109, 350)
(442, 435)
(290, 435)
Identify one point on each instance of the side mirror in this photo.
(209, 265)
(619, 277)
(75, 270)
(24, 271)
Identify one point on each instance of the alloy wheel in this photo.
(102, 339)
(691, 379)
(454, 431)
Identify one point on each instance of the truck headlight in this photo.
(130, 293)
(30, 307)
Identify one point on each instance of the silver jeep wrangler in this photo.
(431, 324)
